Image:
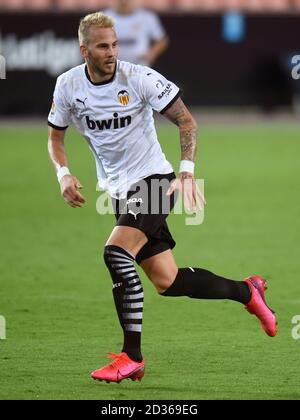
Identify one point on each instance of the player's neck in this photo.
(97, 77)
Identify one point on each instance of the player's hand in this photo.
(193, 198)
(69, 186)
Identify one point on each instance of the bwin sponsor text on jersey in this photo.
(112, 123)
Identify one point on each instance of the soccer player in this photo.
(141, 36)
(111, 103)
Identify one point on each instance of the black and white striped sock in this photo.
(128, 296)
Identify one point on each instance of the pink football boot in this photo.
(258, 306)
(120, 368)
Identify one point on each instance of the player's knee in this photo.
(163, 287)
(160, 289)
(161, 279)
(162, 284)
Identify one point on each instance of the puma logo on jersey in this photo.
(82, 102)
(133, 214)
(113, 123)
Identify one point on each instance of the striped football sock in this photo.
(128, 296)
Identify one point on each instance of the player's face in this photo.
(102, 50)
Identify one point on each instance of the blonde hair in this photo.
(94, 19)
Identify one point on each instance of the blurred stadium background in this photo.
(233, 62)
(223, 53)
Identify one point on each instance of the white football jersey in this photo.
(135, 33)
(116, 119)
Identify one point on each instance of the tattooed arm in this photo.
(180, 115)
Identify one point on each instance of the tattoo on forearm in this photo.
(188, 144)
(180, 116)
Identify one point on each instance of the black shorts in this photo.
(146, 208)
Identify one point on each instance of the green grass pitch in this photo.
(55, 292)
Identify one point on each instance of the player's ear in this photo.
(84, 51)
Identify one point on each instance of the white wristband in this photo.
(187, 166)
(63, 170)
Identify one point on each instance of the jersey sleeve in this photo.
(156, 30)
(59, 116)
(157, 91)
